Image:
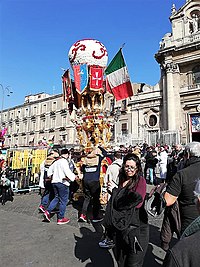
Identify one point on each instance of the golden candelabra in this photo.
(92, 124)
(93, 127)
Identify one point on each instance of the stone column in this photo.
(164, 90)
(171, 101)
(178, 107)
(190, 78)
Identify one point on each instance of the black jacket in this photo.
(152, 161)
(123, 217)
(185, 253)
(171, 223)
(182, 185)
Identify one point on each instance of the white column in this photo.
(164, 90)
(171, 116)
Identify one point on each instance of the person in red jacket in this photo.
(126, 215)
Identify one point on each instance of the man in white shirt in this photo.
(113, 170)
(61, 178)
(162, 159)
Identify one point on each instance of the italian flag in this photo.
(117, 78)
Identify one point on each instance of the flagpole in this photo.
(122, 46)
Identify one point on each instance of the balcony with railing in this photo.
(168, 40)
(52, 114)
(51, 130)
(42, 115)
(62, 128)
(17, 119)
(33, 118)
(190, 88)
(63, 111)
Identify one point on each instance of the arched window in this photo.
(196, 74)
(153, 120)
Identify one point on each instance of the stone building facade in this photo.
(169, 112)
(41, 117)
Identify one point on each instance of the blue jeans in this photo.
(151, 175)
(48, 194)
(61, 196)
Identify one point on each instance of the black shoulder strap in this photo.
(115, 163)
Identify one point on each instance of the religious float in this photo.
(85, 97)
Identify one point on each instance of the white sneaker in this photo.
(98, 219)
(106, 243)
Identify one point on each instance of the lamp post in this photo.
(9, 92)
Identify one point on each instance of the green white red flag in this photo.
(117, 78)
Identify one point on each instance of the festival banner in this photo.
(96, 78)
(66, 85)
(80, 77)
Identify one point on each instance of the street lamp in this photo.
(9, 92)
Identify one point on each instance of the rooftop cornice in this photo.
(34, 102)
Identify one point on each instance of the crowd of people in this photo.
(173, 172)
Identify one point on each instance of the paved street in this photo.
(28, 241)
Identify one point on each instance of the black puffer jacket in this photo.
(123, 217)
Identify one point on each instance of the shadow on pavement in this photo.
(87, 249)
(154, 249)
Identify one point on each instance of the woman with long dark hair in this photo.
(126, 216)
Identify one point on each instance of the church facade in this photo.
(168, 112)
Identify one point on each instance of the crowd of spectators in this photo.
(172, 171)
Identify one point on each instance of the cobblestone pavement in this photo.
(28, 241)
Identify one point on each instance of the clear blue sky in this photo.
(36, 35)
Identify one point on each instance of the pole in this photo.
(2, 104)
(3, 98)
(115, 132)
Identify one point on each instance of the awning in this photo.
(51, 137)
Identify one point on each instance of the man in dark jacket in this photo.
(151, 162)
(182, 185)
(186, 252)
(91, 170)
